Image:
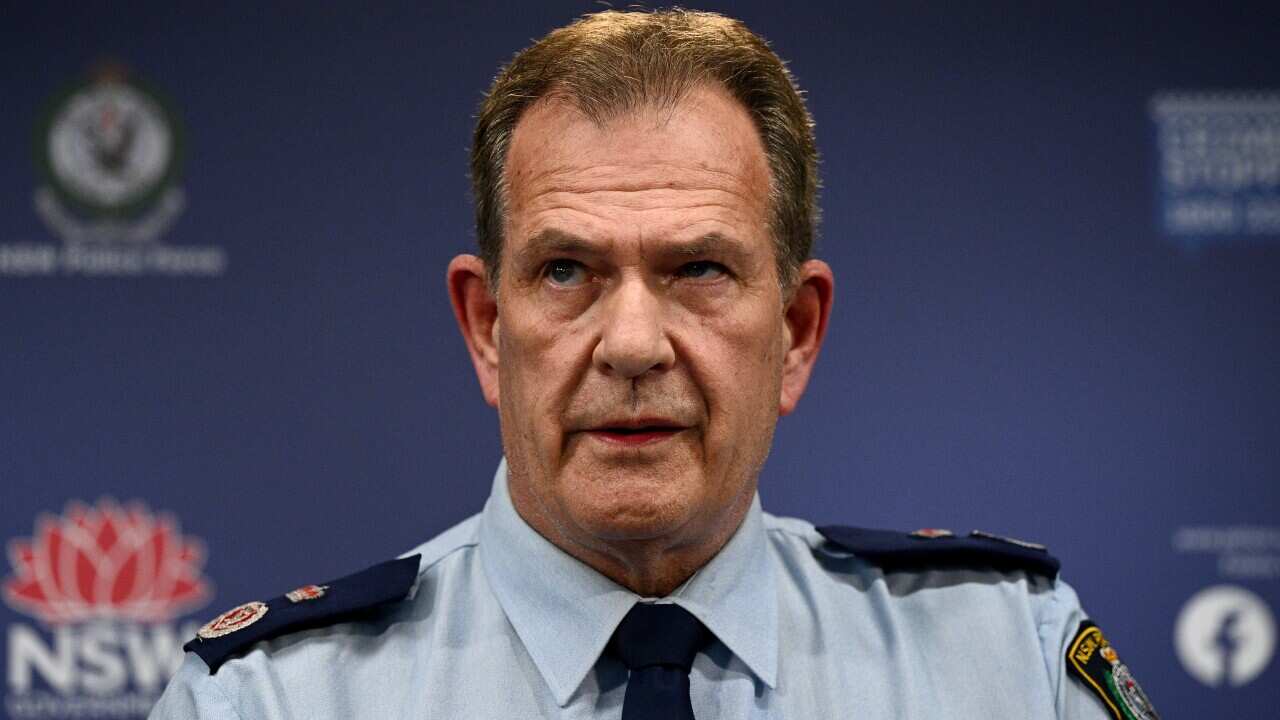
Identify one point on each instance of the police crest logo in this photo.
(110, 147)
(109, 156)
(1093, 661)
(110, 152)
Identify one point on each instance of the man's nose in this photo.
(633, 340)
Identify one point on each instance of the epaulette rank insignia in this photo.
(934, 547)
(1093, 661)
(309, 606)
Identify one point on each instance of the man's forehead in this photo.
(707, 138)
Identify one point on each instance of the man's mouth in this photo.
(635, 433)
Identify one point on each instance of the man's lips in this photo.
(634, 432)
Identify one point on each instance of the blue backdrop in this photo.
(1056, 236)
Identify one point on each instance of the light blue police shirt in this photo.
(502, 624)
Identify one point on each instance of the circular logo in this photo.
(108, 147)
(237, 618)
(1225, 635)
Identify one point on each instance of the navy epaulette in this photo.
(310, 606)
(936, 548)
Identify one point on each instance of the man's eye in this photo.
(702, 270)
(565, 273)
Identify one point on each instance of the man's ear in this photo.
(476, 311)
(805, 321)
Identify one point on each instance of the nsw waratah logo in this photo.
(108, 562)
(110, 585)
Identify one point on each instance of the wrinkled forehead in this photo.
(704, 142)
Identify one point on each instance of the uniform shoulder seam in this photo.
(426, 565)
(793, 527)
(459, 537)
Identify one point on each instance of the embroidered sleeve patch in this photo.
(1093, 661)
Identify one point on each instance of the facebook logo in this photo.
(1225, 636)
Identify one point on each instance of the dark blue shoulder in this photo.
(932, 548)
(309, 606)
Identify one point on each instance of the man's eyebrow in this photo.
(550, 242)
(713, 243)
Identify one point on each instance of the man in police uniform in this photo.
(642, 311)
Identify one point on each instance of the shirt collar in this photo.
(565, 612)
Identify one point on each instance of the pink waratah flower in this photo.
(106, 561)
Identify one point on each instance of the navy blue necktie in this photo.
(657, 643)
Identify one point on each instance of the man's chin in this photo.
(633, 509)
(635, 529)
